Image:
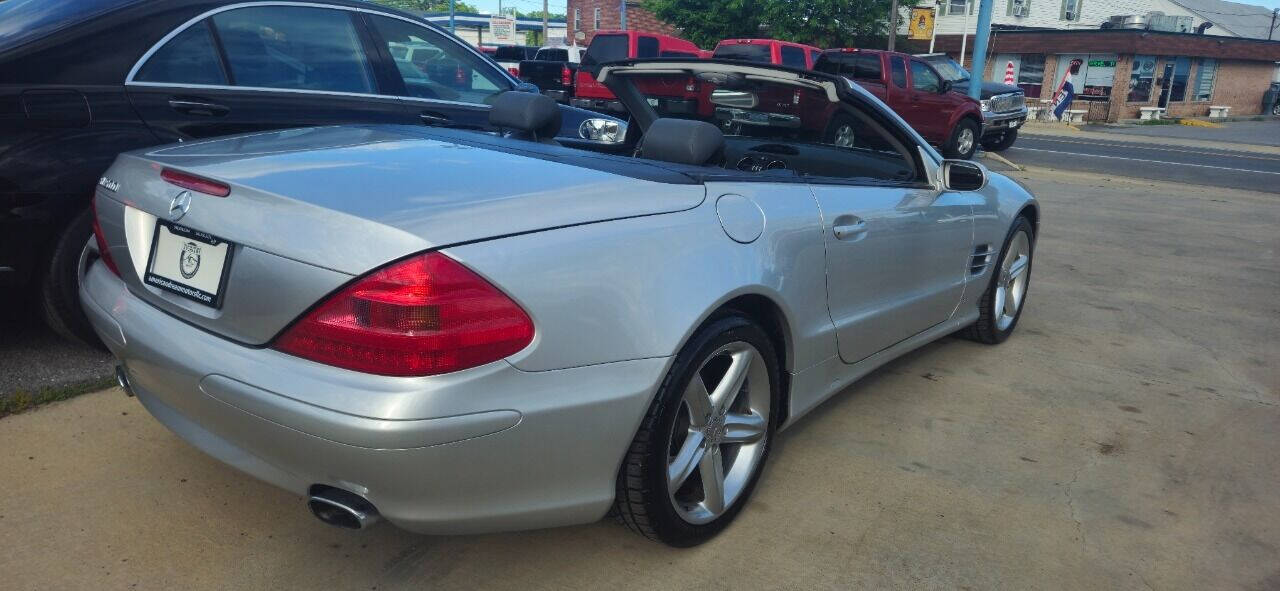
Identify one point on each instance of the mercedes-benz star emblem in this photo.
(179, 206)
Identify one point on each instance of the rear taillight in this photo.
(103, 251)
(515, 71)
(195, 183)
(566, 76)
(421, 316)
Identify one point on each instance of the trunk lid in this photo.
(310, 209)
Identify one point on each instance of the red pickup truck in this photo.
(768, 51)
(913, 89)
(610, 46)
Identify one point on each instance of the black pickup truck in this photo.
(1004, 108)
(553, 70)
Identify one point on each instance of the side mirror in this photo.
(945, 87)
(963, 175)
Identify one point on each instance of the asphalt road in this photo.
(1124, 437)
(1091, 154)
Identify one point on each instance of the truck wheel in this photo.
(964, 140)
(1275, 109)
(60, 286)
(840, 132)
(998, 143)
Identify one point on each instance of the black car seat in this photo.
(683, 141)
(526, 116)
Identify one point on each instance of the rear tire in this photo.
(722, 431)
(841, 132)
(995, 319)
(60, 285)
(963, 141)
(999, 143)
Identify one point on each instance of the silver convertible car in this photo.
(463, 331)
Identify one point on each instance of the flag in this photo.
(1066, 91)
(921, 24)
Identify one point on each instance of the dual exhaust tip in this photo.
(341, 508)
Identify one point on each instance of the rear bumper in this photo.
(487, 449)
(560, 96)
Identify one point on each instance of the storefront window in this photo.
(1096, 75)
(1141, 78)
(1181, 71)
(1204, 79)
(1031, 74)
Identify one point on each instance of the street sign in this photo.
(921, 24)
(502, 30)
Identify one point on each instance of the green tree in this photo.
(428, 5)
(706, 22)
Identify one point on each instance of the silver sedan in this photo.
(463, 331)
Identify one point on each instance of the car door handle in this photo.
(193, 107)
(432, 118)
(849, 227)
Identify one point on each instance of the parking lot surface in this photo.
(1123, 438)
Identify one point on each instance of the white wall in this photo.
(1047, 14)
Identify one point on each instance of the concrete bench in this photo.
(1073, 115)
(1219, 112)
(1149, 113)
(1033, 112)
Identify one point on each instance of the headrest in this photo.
(683, 141)
(526, 112)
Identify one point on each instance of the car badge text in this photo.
(108, 184)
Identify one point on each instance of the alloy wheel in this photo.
(1011, 285)
(964, 143)
(844, 136)
(718, 438)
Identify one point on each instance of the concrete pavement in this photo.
(1124, 438)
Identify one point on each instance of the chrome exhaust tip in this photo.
(341, 508)
(122, 379)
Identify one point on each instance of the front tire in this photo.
(703, 443)
(999, 143)
(60, 284)
(1001, 304)
(963, 141)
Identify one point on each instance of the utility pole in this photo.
(980, 50)
(622, 15)
(933, 35)
(451, 10)
(893, 23)
(545, 26)
(1272, 30)
(964, 32)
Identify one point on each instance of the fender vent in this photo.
(981, 259)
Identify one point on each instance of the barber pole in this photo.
(1008, 73)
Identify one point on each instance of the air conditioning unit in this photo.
(1071, 15)
(1020, 8)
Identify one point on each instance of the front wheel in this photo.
(1275, 109)
(1001, 304)
(840, 132)
(964, 140)
(702, 445)
(60, 285)
(1001, 142)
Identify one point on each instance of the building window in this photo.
(1018, 8)
(1141, 76)
(1070, 10)
(1031, 74)
(1177, 83)
(1204, 79)
(1096, 74)
(957, 7)
(596, 26)
(577, 14)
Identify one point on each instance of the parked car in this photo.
(768, 51)
(510, 56)
(86, 79)
(1004, 107)
(915, 90)
(608, 46)
(1271, 99)
(552, 70)
(461, 332)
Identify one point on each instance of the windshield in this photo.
(744, 52)
(949, 69)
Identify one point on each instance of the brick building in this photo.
(1125, 70)
(589, 16)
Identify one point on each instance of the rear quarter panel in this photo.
(637, 288)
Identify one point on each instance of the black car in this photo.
(83, 80)
(1004, 107)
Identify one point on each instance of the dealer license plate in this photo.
(189, 263)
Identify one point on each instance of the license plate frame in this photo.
(196, 243)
